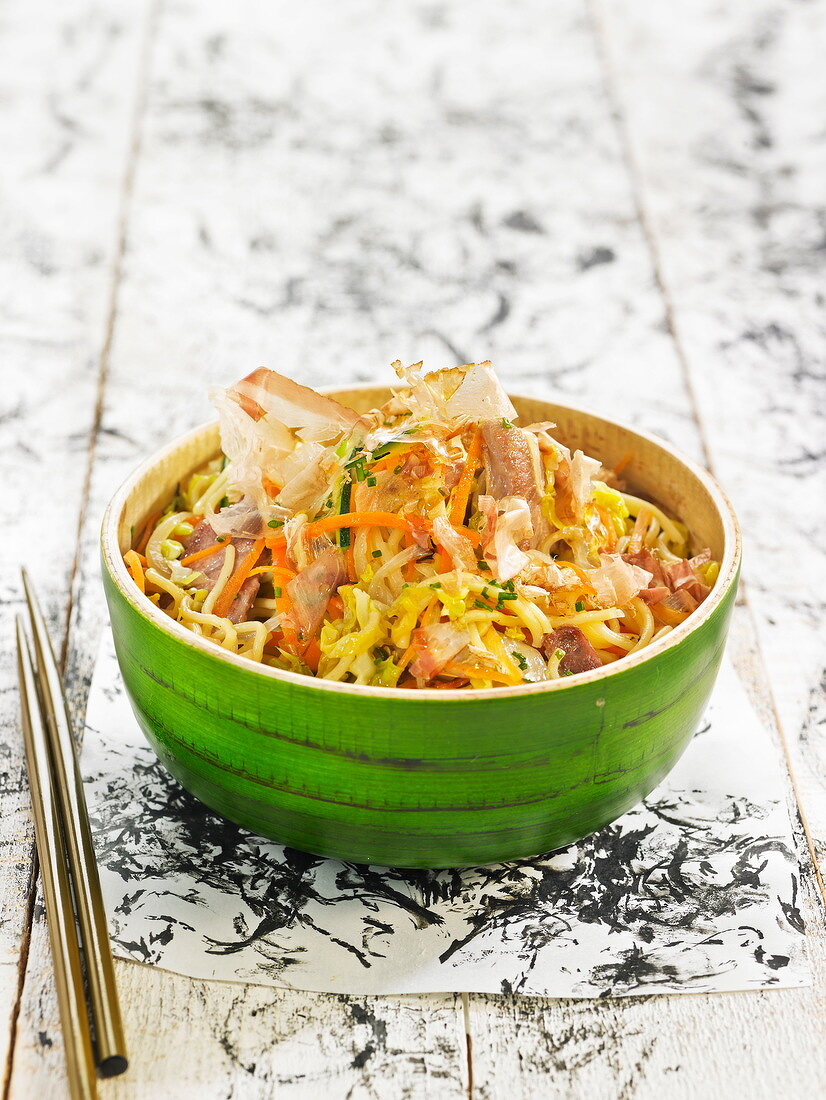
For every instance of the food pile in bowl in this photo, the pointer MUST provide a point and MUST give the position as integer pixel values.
(432, 542)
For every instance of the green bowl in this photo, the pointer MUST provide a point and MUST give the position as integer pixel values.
(430, 778)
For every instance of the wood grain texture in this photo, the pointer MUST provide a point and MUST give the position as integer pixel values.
(331, 188)
(66, 84)
(733, 200)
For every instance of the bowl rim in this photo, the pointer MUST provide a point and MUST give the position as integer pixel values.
(729, 568)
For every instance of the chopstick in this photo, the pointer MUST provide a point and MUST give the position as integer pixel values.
(57, 895)
(69, 806)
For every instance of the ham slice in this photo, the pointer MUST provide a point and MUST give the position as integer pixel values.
(511, 472)
(311, 590)
(435, 646)
(580, 655)
(210, 568)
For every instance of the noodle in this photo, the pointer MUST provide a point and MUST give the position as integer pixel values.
(540, 569)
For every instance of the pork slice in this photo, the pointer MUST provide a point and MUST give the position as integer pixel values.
(646, 560)
(240, 607)
(510, 472)
(210, 567)
(580, 655)
(311, 590)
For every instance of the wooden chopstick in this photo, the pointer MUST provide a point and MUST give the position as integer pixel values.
(57, 894)
(70, 805)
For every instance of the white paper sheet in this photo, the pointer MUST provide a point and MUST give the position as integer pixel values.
(694, 890)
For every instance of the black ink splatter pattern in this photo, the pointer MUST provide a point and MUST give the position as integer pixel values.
(689, 890)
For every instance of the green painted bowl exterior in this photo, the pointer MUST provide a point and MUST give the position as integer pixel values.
(416, 779)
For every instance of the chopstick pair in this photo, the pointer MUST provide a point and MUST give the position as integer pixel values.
(92, 1030)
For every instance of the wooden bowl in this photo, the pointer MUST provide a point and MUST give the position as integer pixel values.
(429, 778)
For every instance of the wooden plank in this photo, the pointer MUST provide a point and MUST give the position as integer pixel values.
(66, 93)
(218, 1039)
(691, 90)
(492, 215)
(733, 201)
(182, 323)
(765, 1045)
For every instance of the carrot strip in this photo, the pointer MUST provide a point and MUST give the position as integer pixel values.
(350, 564)
(233, 585)
(276, 570)
(406, 657)
(477, 672)
(610, 530)
(147, 531)
(461, 494)
(133, 564)
(312, 655)
(494, 642)
(335, 607)
(205, 553)
(580, 572)
(355, 519)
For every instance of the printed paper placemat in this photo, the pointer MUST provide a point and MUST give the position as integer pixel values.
(694, 890)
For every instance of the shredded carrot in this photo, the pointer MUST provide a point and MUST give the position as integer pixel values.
(494, 642)
(431, 612)
(335, 607)
(134, 563)
(279, 553)
(580, 572)
(461, 494)
(444, 562)
(610, 530)
(269, 487)
(205, 553)
(473, 537)
(140, 546)
(623, 462)
(406, 657)
(233, 585)
(276, 570)
(350, 564)
(392, 459)
(355, 519)
(312, 655)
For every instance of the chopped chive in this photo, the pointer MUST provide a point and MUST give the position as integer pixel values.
(580, 605)
(436, 584)
(377, 553)
(223, 503)
(371, 481)
(479, 603)
(483, 565)
(559, 654)
(221, 538)
(506, 423)
(275, 523)
(397, 470)
(276, 591)
(520, 660)
(508, 596)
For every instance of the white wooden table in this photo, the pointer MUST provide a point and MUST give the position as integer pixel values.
(621, 202)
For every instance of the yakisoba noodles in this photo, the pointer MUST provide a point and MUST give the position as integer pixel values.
(434, 542)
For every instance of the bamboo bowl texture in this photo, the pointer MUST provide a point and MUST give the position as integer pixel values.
(429, 778)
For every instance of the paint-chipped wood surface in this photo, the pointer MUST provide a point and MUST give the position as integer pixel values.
(620, 203)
